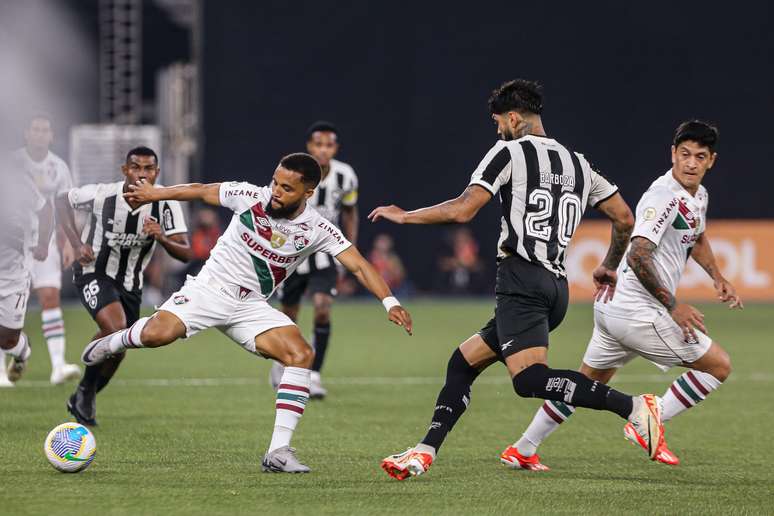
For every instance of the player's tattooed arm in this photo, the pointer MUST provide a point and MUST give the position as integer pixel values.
(619, 213)
(640, 260)
(144, 193)
(459, 210)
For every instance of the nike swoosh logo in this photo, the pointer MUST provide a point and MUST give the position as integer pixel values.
(69, 456)
(281, 461)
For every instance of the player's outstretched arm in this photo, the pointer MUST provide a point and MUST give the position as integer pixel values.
(640, 259)
(605, 276)
(143, 193)
(370, 279)
(703, 255)
(459, 210)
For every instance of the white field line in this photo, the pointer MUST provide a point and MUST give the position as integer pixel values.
(381, 380)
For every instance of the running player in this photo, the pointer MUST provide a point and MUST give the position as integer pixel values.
(113, 250)
(544, 189)
(25, 233)
(52, 177)
(272, 231)
(644, 317)
(335, 199)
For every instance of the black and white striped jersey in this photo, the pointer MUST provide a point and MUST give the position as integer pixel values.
(115, 233)
(544, 190)
(339, 188)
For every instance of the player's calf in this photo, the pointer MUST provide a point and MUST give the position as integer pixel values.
(693, 387)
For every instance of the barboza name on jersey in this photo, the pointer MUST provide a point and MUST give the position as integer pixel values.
(557, 179)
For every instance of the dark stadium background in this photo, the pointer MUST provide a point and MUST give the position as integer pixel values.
(407, 85)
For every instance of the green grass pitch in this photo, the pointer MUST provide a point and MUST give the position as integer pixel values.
(182, 429)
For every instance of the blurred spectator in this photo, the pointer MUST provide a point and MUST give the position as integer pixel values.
(386, 261)
(461, 268)
(205, 234)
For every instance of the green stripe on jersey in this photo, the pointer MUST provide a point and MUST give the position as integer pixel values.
(265, 279)
(246, 218)
(561, 407)
(299, 398)
(680, 223)
(687, 389)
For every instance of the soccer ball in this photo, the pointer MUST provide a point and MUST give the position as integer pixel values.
(70, 447)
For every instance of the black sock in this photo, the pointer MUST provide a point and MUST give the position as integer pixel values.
(88, 383)
(571, 387)
(452, 400)
(322, 333)
(107, 369)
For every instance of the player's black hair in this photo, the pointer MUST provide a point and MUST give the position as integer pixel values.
(321, 125)
(704, 134)
(305, 165)
(517, 95)
(142, 151)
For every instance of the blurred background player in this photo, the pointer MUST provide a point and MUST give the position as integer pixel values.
(25, 233)
(643, 316)
(335, 199)
(112, 252)
(51, 175)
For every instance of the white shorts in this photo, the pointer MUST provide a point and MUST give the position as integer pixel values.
(48, 273)
(13, 307)
(202, 304)
(617, 339)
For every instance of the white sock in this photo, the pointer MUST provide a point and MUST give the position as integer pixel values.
(547, 419)
(292, 395)
(21, 350)
(54, 333)
(425, 448)
(686, 392)
(129, 338)
(3, 371)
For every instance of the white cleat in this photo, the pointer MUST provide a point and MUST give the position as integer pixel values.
(283, 460)
(316, 390)
(5, 383)
(645, 419)
(64, 373)
(97, 351)
(275, 374)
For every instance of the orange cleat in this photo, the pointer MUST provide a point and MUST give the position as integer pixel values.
(410, 463)
(513, 459)
(663, 454)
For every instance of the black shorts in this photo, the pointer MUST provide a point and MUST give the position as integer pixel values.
(321, 281)
(96, 292)
(531, 302)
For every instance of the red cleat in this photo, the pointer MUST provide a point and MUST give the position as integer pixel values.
(410, 463)
(663, 454)
(513, 459)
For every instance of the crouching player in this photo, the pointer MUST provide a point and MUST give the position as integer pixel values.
(272, 231)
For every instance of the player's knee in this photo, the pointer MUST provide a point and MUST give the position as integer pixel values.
(723, 368)
(298, 355)
(322, 316)
(8, 341)
(530, 380)
(459, 369)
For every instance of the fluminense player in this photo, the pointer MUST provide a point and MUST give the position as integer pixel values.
(272, 231)
(544, 189)
(52, 177)
(644, 318)
(113, 250)
(335, 198)
(25, 233)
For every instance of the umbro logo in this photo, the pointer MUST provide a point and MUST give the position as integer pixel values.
(505, 346)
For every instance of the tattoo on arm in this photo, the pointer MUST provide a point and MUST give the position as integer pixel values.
(619, 239)
(640, 259)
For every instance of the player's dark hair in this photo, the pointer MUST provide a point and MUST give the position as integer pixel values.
(321, 126)
(517, 95)
(305, 165)
(142, 151)
(697, 131)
